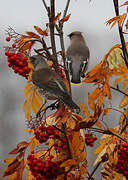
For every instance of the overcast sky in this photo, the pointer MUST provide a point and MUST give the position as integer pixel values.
(22, 15)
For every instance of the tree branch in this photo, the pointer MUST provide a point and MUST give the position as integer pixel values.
(117, 89)
(51, 15)
(125, 54)
(45, 5)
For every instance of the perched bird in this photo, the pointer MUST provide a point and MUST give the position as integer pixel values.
(77, 56)
(48, 83)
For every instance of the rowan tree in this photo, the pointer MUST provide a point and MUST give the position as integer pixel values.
(57, 147)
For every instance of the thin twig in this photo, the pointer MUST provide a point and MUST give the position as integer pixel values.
(125, 54)
(117, 89)
(45, 5)
(52, 36)
(66, 138)
(107, 132)
(66, 8)
(94, 170)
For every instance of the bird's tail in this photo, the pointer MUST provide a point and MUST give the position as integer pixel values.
(69, 102)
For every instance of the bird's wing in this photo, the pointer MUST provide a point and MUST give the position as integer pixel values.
(49, 80)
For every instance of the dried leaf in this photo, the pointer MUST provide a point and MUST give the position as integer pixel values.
(11, 168)
(84, 109)
(124, 101)
(56, 18)
(66, 18)
(20, 147)
(106, 111)
(69, 162)
(33, 35)
(9, 160)
(40, 31)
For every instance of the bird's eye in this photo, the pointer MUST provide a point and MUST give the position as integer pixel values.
(69, 62)
(84, 62)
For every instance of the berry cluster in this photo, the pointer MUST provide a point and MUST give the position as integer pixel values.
(122, 164)
(43, 133)
(61, 71)
(90, 139)
(16, 61)
(44, 169)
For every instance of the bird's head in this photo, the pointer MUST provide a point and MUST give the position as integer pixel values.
(38, 61)
(75, 34)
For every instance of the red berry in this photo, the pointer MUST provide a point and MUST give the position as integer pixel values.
(69, 174)
(24, 58)
(64, 146)
(13, 45)
(9, 65)
(20, 71)
(6, 53)
(20, 63)
(8, 38)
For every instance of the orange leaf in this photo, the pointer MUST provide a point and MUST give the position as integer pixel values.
(84, 109)
(40, 31)
(56, 17)
(106, 111)
(20, 147)
(9, 160)
(33, 35)
(69, 162)
(11, 168)
(66, 18)
(126, 25)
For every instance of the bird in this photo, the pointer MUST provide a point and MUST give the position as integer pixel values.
(77, 56)
(49, 84)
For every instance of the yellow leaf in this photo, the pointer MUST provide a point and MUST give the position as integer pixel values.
(61, 177)
(28, 88)
(100, 155)
(69, 162)
(124, 83)
(9, 160)
(118, 80)
(84, 109)
(82, 156)
(30, 176)
(83, 168)
(12, 177)
(106, 111)
(27, 113)
(124, 101)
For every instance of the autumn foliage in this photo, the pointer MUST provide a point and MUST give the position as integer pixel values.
(57, 147)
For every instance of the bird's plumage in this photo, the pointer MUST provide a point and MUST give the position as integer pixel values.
(49, 83)
(78, 56)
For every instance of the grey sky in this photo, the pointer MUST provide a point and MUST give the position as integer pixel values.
(22, 15)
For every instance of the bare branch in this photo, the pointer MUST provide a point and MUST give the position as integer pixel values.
(125, 54)
(45, 5)
(66, 8)
(52, 36)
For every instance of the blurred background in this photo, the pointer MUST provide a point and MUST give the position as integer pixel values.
(87, 17)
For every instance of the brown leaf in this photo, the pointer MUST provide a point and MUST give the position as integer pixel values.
(66, 18)
(40, 31)
(20, 170)
(85, 124)
(11, 168)
(33, 35)
(56, 18)
(69, 162)
(20, 147)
